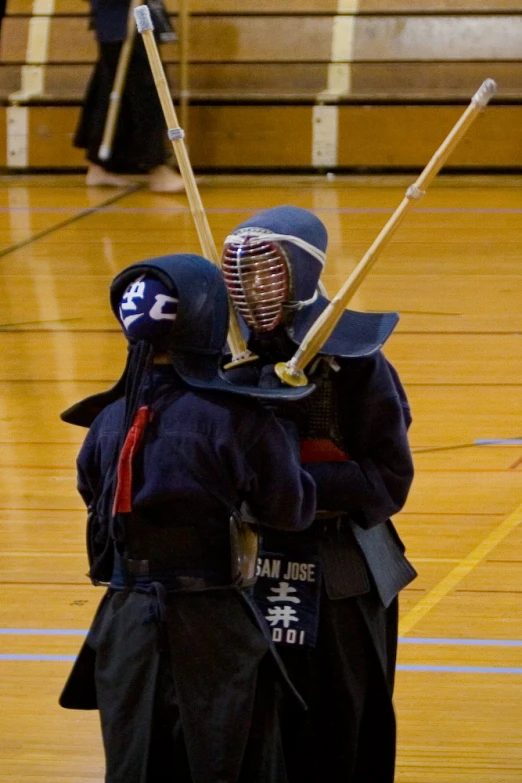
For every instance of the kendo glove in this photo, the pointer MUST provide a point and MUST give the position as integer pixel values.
(244, 375)
(285, 410)
(268, 378)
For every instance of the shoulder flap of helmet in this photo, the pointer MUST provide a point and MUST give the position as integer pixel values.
(355, 335)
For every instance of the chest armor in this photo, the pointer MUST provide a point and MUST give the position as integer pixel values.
(320, 411)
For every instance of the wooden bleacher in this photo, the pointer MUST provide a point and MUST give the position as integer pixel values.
(287, 84)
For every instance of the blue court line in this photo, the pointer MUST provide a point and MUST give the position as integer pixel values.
(498, 442)
(332, 210)
(38, 210)
(404, 667)
(402, 639)
(412, 667)
(36, 657)
(40, 632)
(253, 210)
(400, 667)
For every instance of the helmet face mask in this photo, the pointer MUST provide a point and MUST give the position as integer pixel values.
(258, 278)
(284, 238)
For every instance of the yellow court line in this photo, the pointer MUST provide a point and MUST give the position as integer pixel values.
(436, 560)
(460, 571)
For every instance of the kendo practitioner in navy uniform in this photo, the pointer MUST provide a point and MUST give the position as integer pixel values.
(338, 638)
(178, 660)
(139, 144)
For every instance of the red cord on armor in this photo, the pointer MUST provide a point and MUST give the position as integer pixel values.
(123, 496)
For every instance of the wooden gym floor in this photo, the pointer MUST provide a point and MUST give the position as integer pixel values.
(453, 271)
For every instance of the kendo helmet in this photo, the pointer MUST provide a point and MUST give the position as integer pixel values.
(177, 305)
(285, 249)
(272, 263)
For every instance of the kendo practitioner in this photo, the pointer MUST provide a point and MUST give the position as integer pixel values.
(178, 660)
(139, 144)
(338, 582)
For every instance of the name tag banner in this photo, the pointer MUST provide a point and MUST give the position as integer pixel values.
(288, 593)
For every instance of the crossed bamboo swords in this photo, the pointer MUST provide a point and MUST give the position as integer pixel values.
(292, 372)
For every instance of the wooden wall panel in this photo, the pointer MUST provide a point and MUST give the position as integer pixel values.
(71, 41)
(407, 136)
(297, 82)
(236, 136)
(66, 83)
(13, 41)
(257, 70)
(433, 81)
(248, 80)
(10, 76)
(308, 39)
(3, 139)
(436, 82)
(51, 132)
(378, 39)
(438, 38)
(369, 136)
(388, 137)
(360, 6)
(301, 6)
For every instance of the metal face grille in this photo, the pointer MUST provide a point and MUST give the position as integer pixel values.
(256, 274)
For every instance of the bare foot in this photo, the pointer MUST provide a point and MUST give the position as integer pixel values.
(164, 180)
(97, 176)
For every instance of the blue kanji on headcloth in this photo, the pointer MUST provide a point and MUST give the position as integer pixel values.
(201, 320)
(146, 311)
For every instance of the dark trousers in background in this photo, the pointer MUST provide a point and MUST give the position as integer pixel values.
(140, 140)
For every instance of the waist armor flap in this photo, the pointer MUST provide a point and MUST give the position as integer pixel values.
(344, 570)
(388, 565)
(244, 550)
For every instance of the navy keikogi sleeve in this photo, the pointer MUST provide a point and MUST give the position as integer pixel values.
(283, 495)
(375, 416)
(96, 463)
(88, 474)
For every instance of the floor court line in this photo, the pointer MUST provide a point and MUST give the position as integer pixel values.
(457, 574)
(67, 222)
(448, 669)
(240, 210)
(402, 639)
(407, 667)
